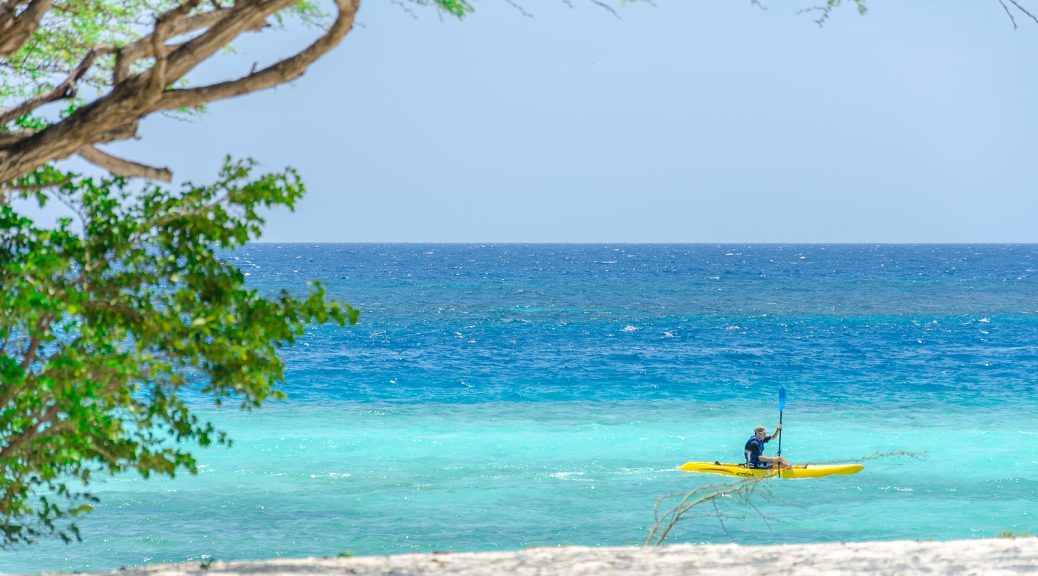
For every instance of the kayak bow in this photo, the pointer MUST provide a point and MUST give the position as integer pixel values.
(802, 471)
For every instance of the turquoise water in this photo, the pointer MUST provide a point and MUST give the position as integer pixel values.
(508, 396)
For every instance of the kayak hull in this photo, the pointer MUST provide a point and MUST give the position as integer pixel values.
(802, 471)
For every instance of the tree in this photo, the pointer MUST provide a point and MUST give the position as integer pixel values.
(114, 63)
(56, 50)
(102, 331)
(104, 327)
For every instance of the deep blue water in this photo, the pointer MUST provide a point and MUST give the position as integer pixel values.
(847, 324)
(502, 396)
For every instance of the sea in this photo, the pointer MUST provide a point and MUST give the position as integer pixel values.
(497, 397)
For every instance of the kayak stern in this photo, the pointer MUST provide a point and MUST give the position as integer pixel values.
(800, 471)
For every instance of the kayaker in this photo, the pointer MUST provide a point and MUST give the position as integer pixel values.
(754, 449)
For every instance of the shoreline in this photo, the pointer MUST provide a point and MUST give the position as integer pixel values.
(1017, 555)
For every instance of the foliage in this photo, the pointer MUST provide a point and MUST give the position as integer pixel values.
(78, 73)
(103, 331)
(859, 3)
(71, 28)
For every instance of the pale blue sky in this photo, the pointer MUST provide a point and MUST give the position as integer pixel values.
(680, 122)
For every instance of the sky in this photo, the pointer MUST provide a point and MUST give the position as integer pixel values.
(679, 121)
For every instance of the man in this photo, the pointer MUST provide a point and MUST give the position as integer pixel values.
(754, 450)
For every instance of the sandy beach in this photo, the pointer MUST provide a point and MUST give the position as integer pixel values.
(990, 556)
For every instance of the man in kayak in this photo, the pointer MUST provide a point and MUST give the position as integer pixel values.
(754, 449)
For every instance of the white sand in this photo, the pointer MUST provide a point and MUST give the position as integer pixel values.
(994, 556)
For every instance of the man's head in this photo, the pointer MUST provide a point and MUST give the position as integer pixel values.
(760, 432)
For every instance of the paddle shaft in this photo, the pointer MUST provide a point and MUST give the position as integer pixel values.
(782, 407)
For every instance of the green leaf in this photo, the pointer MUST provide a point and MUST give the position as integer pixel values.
(108, 324)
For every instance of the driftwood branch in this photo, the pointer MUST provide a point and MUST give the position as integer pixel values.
(124, 168)
(710, 494)
(743, 490)
(874, 456)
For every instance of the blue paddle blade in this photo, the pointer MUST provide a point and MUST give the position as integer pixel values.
(782, 398)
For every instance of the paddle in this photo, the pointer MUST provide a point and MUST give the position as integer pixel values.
(782, 406)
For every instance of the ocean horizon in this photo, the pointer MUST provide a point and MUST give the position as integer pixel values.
(497, 396)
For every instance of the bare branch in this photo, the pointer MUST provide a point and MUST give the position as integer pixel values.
(607, 7)
(709, 494)
(407, 10)
(16, 29)
(248, 15)
(875, 456)
(826, 11)
(519, 8)
(164, 27)
(134, 96)
(142, 48)
(1024, 10)
(66, 89)
(284, 71)
(1008, 13)
(124, 168)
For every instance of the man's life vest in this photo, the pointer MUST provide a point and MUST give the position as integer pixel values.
(753, 458)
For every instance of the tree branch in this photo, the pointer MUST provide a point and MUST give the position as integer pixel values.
(1008, 13)
(124, 168)
(30, 355)
(66, 89)
(248, 15)
(136, 96)
(9, 138)
(142, 48)
(284, 71)
(7, 187)
(34, 344)
(28, 435)
(16, 29)
(1022, 9)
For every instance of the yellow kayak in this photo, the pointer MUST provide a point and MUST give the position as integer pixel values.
(802, 471)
